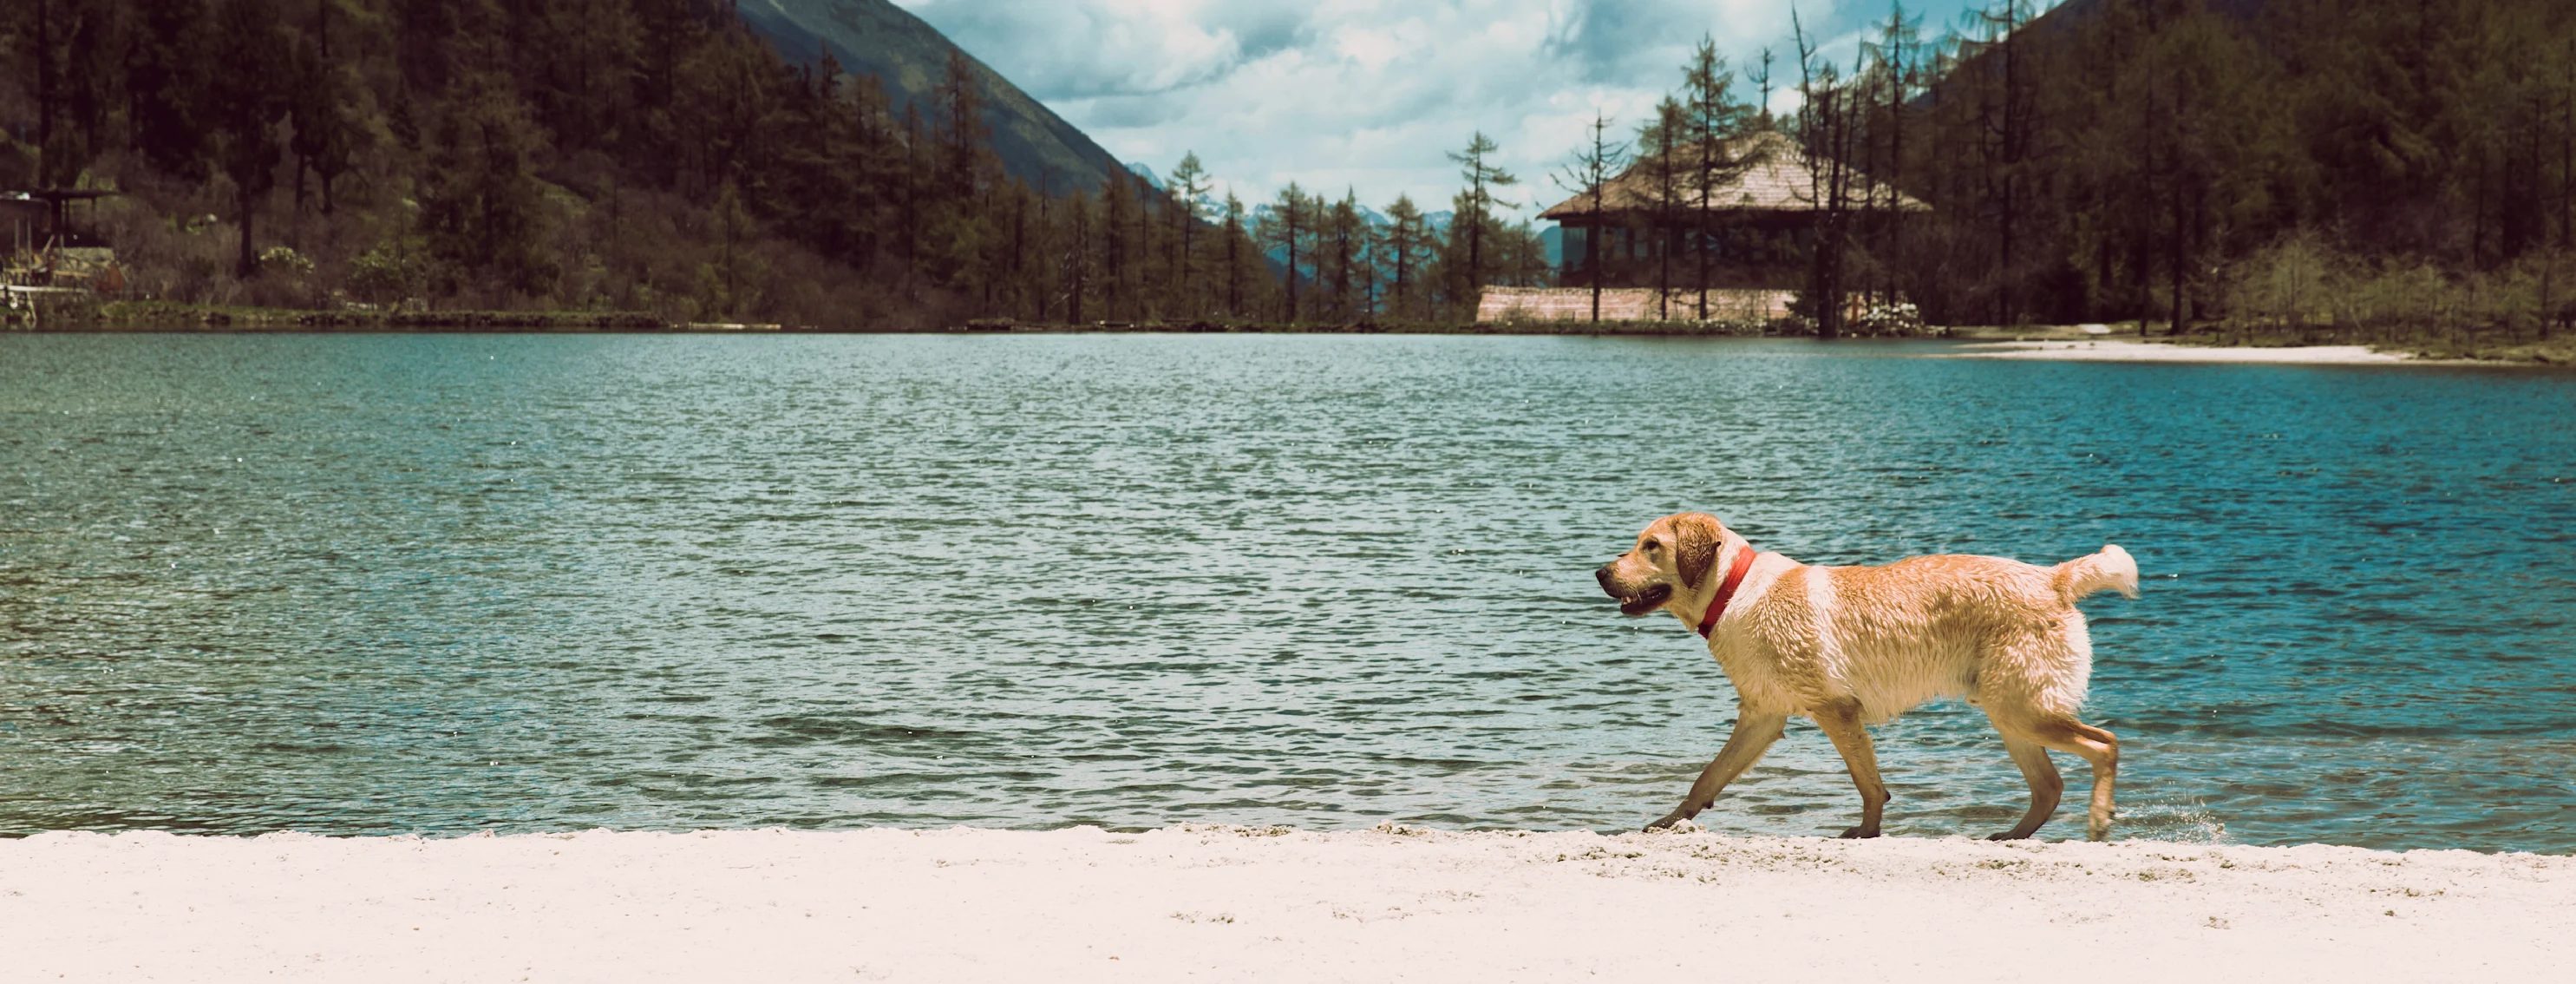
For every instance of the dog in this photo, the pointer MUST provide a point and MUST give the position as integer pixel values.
(1852, 646)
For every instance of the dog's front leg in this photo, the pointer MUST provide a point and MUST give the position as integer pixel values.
(1841, 721)
(1754, 733)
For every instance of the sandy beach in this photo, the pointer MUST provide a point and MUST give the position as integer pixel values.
(1229, 903)
(2084, 350)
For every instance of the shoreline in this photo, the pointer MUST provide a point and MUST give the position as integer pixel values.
(2112, 350)
(1215, 902)
(2045, 344)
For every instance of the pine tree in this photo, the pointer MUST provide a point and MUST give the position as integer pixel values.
(1589, 176)
(324, 139)
(1343, 242)
(165, 64)
(1477, 205)
(1405, 238)
(1236, 256)
(245, 102)
(1665, 146)
(1717, 123)
(1289, 228)
(962, 129)
(480, 208)
(729, 282)
(1825, 126)
(1117, 199)
(1081, 242)
(1189, 190)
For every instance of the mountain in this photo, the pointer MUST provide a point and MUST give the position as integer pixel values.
(2074, 12)
(2062, 22)
(1436, 223)
(908, 56)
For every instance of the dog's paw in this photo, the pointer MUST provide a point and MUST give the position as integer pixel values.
(1674, 822)
(1860, 833)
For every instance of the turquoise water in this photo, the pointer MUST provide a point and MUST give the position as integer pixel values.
(370, 584)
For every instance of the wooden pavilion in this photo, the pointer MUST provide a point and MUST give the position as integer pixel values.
(41, 218)
(46, 248)
(1757, 222)
(49, 251)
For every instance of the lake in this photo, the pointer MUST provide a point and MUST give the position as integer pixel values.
(444, 583)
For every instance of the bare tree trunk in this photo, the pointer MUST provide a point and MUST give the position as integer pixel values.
(1592, 258)
(45, 162)
(249, 265)
(1292, 262)
(2175, 257)
(1664, 250)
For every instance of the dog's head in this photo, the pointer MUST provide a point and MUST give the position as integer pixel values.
(1673, 555)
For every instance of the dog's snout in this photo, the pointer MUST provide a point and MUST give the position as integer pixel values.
(1602, 574)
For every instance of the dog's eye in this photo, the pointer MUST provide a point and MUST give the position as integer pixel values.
(1652, 546)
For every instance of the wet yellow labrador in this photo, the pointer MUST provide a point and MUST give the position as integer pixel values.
(1852, 646)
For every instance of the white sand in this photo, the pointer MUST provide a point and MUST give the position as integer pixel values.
(1233, 904)
(2111, 351)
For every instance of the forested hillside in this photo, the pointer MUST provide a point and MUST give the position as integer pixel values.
(909, 57)
(648, 155)
(2364, 169)
(2391, 166)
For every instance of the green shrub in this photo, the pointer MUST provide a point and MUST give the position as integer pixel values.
(395, 269)
(284, 261)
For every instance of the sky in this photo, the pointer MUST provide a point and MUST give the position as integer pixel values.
(1368, 95)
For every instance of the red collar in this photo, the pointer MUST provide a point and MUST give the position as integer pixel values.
(1734, 576)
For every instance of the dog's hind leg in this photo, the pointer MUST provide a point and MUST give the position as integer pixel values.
(2045, 786)
(1841, 721)
(2064, 733)
(1754, 733)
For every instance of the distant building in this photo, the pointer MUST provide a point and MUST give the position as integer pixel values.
(1756, 224)
(46, 249)
(41, 218)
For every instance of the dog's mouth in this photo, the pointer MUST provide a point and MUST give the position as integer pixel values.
(1646, 601)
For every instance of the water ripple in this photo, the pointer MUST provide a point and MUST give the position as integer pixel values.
(440, 583)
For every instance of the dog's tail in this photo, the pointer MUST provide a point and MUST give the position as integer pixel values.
(2111, 569)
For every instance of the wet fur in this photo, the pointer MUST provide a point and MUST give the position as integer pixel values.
(1852, 646)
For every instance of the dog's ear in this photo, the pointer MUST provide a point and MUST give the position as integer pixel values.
(1697, 536)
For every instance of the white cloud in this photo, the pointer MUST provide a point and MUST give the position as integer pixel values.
(1365, 94)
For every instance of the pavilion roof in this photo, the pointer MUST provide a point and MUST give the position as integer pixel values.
(1777, 177)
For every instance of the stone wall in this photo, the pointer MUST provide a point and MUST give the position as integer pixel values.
(1629, 304)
